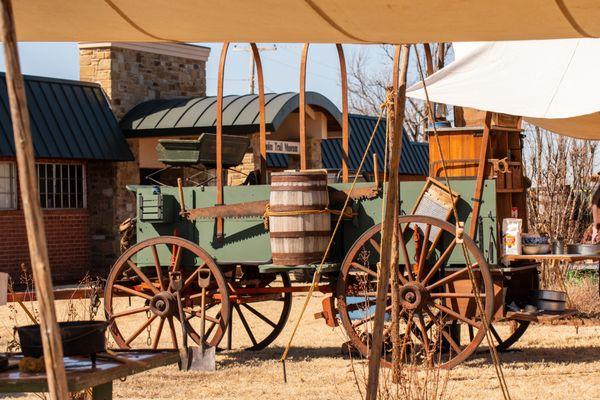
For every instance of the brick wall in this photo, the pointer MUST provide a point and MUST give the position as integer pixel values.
(68, 240)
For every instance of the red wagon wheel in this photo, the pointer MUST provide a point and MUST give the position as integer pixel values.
(434, 299)
(141, 307)
(257, 319)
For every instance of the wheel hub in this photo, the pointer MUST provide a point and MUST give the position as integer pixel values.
(163, 304)
(413, 295)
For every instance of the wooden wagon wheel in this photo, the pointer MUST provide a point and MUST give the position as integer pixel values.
(140, 305)
(505, 334)
(256, 319)
(433, 300)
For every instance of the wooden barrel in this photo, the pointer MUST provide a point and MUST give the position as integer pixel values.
(299, 239)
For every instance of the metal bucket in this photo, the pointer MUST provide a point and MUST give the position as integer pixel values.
(78, 338)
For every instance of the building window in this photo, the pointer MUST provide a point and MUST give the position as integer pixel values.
(8, 186)
(61, 185)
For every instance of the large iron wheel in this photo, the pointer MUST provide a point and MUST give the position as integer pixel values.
(140, 304)
(505, 334)
(257, 319)
(434, 300)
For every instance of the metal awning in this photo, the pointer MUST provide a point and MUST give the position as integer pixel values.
(69, 120)
(415, 155)
(195, 115)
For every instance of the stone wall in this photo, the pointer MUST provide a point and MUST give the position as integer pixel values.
(131, 73)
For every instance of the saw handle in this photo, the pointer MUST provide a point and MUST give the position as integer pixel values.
(182, 210)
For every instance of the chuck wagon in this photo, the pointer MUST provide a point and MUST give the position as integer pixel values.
(235, 247)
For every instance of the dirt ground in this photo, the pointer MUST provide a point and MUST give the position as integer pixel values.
(549, 362)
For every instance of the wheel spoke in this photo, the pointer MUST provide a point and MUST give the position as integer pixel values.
(439, 262)
(259, 315)
(495, 334)
(140, 329)
(245, 323)
(173, 333)
(209, 331)
(132, 292)
(452, 342)
(161, 323)
(176, 257)
(456, 315)
(448, 278)
(375, 245)
(423, 329)
(143, 276)
(190, 278)
(369, 318)
(407, 262)
(158, 268)
(364, 269)
(456, 295)
(424, 252)
(129, 312)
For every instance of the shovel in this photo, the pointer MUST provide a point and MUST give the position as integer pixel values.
(206, 360)
(191, 357)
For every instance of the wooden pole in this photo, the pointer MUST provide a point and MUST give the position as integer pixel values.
(389, 219)
(481, 167)
(345, 133)
(34, 220)
(302, 107)
(219, 137)
(261, 109)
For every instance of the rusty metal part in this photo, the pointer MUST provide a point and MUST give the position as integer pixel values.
(148, 285)
(261, 111)
(361, 193)
(420, 297)
(258, 208)
(240, 210)
(500, 165)
(329, 312)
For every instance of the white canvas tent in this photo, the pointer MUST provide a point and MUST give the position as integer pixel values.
(552, 84)
(324, 21)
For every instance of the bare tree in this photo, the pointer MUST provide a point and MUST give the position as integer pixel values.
(367, 85)
(560, 169)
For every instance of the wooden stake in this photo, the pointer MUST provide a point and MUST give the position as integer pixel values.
(389, 218)
(34, 220)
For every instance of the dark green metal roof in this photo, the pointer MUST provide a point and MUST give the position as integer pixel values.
(69, 119)
(187, 116)
(414, 160)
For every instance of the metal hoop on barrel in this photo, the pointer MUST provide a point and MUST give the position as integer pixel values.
(302, 109)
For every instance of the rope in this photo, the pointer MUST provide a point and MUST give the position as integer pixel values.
(344, 213)
(488, 334)
(317, 275)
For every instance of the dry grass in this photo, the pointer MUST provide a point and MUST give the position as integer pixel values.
(551, 362)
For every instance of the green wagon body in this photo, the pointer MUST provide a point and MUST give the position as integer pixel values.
(246, 241)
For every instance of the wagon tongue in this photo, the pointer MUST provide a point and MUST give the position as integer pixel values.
(194, 358)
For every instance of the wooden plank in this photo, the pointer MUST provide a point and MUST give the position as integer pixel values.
(545, 316)
(32, 210)
(82, 375)
(507, 259)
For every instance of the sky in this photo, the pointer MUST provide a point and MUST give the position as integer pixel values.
(281, 66)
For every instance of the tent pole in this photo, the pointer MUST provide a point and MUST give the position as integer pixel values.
(34, 220)
(219, 138)
(389, 217)
(302, 107)
(345, 140)
(261, 110)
